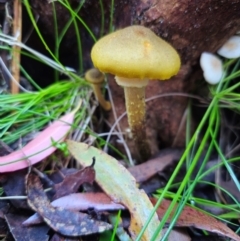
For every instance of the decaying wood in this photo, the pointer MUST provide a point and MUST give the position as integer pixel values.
(191, 26)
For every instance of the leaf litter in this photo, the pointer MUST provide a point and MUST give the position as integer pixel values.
(148, 169)
(191, 217)
(63, 221)
(107, 168)
(80, 201)
(71, 183)
(66, 189)
(120, 185)
(21, 233)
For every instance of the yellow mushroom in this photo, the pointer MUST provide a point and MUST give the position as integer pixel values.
(134, 55)
(96, 78)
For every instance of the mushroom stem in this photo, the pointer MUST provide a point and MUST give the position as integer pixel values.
(135, 105)
(135, 54)
(96, 79)
(99, 96)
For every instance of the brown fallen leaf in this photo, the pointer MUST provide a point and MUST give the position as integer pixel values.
(146, 170)
(79, 201)
(191, 217)
(21, 233)
(83, 201)
(63, 221)
(72, 182)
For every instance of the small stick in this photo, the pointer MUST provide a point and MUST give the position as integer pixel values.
(17, 32)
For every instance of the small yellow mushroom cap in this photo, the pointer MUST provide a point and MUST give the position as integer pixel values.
(135, 52)
(94, 76)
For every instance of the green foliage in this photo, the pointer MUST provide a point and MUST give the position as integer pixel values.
(28, 112)
(203, 143)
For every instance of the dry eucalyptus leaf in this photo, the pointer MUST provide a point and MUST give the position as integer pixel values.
(63, 221)
(120, 185)
(191, 217)
(148, 169)
(83, 201)
(72, 182)
(21, 233)
(40, 147)
(79, 201)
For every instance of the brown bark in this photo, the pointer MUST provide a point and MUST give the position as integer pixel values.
(191, 26)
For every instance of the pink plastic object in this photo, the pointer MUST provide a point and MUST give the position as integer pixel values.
(40, 147)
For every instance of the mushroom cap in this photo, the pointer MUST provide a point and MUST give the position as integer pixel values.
(212, 68)
(135, 52)
(94, 76)
(231, 49)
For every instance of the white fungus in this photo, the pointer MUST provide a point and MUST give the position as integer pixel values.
(212, 68)
(231, 49)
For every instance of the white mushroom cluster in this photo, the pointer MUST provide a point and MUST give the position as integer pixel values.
(212, 65)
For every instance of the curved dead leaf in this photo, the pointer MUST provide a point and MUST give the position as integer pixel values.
(79, 201)
(120, 185)
(66, 222)
(40, 147)
(191, 217)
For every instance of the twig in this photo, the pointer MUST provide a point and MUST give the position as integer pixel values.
(17, 32)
